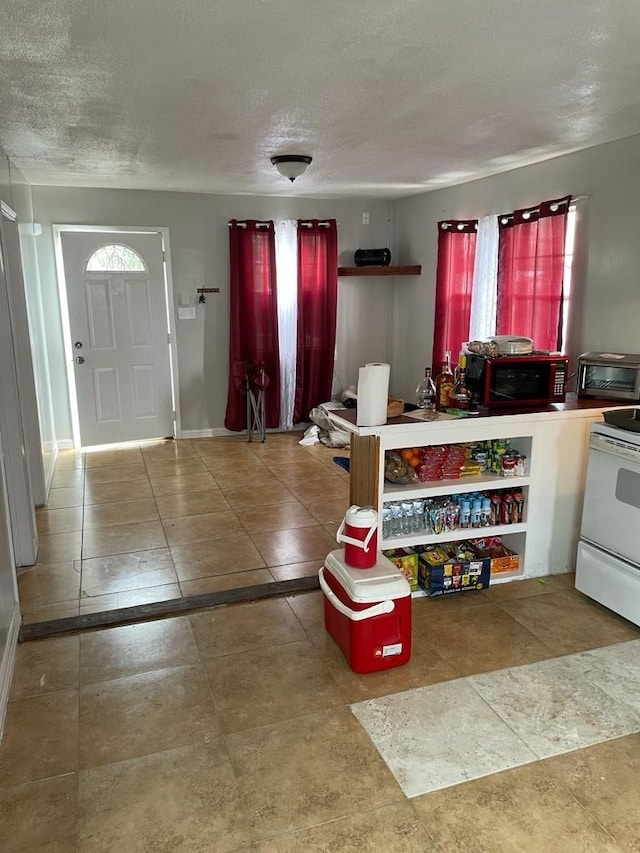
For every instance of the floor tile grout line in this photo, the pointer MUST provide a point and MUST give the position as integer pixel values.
(84, 495)
(600, 687)
(469, 678)
(314, 523)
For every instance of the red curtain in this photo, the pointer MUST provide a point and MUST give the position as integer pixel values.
(454, 281)
(317, 305)
(530, 273)
(254, 318)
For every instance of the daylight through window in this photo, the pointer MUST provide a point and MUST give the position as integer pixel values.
(115, 258)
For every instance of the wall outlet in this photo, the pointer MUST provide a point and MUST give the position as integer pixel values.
(365, 217)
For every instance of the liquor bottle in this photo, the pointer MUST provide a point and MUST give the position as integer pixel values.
(461, 397)
(462, 364)
(444, 384)
(426, 392)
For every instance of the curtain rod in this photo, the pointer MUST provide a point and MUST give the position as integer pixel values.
(267, 224)
(244, 224)
(574, 199)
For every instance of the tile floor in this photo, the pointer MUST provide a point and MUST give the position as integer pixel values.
(232, 729)
(166, 519)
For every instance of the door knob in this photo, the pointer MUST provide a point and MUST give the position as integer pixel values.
(78, 345)
(79, 359)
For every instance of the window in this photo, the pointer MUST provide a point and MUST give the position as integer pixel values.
(521, 277)
(283, 283)
(115, 258)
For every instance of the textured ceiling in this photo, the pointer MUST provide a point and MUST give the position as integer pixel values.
(390, 98)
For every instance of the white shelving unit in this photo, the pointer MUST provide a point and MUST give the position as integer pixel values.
(438, 488)
(486, 482)
(555, 442)
(451, 536)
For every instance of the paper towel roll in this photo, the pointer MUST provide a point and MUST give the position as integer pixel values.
(373, 393)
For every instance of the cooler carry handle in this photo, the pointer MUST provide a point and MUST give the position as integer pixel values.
(359, 543)
(355, 615)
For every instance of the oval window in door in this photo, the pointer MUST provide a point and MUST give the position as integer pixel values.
(115, 257)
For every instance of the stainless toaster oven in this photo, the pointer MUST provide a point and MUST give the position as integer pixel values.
(609, 376)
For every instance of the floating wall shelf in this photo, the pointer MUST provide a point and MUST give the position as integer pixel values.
(397, 270)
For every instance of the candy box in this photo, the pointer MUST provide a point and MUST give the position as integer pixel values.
(461, 571)
(503, 559)
(407, 561)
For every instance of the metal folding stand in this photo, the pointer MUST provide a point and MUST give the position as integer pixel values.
(255, 379)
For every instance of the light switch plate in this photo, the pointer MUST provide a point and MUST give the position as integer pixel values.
(188, 313)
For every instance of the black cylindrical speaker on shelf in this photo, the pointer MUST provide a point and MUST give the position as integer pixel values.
(372, 257)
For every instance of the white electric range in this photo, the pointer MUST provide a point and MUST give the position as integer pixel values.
(608, 562)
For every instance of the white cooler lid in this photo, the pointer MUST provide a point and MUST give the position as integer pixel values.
(380, 582)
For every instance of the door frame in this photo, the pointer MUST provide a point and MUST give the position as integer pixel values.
(57, 231)
(22, 336)
(16, 452)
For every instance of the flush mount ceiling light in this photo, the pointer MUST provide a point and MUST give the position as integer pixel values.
(291, 165)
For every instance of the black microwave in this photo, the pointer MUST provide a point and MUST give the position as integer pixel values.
(509, 381)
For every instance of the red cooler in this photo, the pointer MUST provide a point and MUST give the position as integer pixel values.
(368, 613)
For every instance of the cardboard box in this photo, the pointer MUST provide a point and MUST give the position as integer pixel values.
(454, 576)
(503, 559)
(407, 561)
(510, 563)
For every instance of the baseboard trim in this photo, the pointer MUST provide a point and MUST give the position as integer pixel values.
(164, 609)
(65, 444)
(206, 433)
(217, 432)
(51, 470)
(8, 663)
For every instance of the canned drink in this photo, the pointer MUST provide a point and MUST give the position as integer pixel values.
(508, 466)
(480, 456)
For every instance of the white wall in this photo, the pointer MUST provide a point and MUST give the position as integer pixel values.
(198, 235)
(607, 267)
(379, 319)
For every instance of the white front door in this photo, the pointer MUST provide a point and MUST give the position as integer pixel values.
(119, 333)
